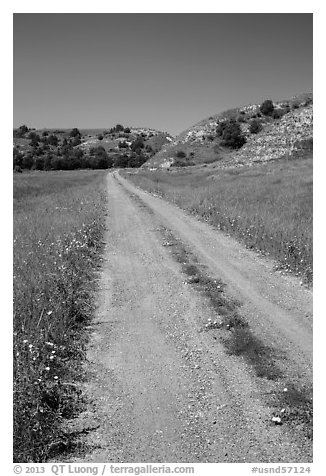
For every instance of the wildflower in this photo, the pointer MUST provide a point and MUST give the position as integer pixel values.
(55, 377)
(47, 368)
(49, 343)
(49, 313)
(25, 341)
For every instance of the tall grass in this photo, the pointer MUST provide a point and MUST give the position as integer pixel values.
(268, 206)
(58, 229)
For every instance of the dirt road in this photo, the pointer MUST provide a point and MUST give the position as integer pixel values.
(163, 386)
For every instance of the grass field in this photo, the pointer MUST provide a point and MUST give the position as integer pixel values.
(58, 229)
(268, 206)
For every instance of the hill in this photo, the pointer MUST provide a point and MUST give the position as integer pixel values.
(284, 130)
(55, 149)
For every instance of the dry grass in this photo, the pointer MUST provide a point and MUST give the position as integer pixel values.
(58, 227)
(267, 206)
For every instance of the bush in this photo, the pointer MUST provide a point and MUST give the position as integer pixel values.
(255, 126)
(28, 161)
(220, 128)
(138, 143)
(180, 154)
(127, 130)
(182, 163)
(278, 113)
(39, 163)
(17, 158)
(21, 131)
(123, 145)
(35, 139)
(117, 128)
(75, 132)
(121, 161)
(48, 162)
(231, 134)
(267, 107)
(99, 158)
(56, 163)
(100, 137)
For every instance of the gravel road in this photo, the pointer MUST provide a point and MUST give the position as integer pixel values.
(163, 389)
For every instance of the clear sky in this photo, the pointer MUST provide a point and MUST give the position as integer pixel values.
(166, 71)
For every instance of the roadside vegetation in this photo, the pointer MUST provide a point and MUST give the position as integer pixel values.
(267, 206)
(58, 230)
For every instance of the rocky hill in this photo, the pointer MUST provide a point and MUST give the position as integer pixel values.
(286, 131)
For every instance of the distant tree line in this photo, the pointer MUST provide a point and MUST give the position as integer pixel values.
(49, 152)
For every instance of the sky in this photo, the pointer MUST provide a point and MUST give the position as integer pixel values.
(165, 71)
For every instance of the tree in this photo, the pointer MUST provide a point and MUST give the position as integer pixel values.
(28, 161)
(21, 131)
(48, 162)
(53, 140)
(17, 158)
(255, 126)
(267, 107)
(138, 143)
(56, 163)
(121, 161)
(99, 158)
(34, 142)
(75, 132)
(33, 135)
(39, 163)
(231, 134)
(35, 139)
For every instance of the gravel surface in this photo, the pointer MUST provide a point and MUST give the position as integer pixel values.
(161, 389)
